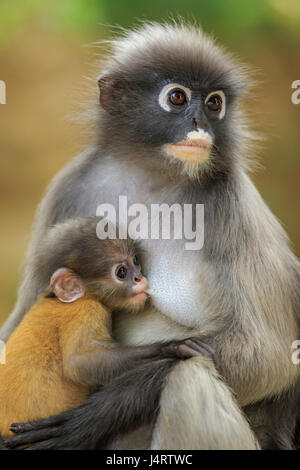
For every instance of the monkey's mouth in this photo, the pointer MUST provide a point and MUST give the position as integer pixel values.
(195, 149)
(140, 297)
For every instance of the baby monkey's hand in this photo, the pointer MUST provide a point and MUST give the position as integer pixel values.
(186, 349)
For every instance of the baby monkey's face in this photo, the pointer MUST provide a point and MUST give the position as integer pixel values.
(112, 276)
(128, 283)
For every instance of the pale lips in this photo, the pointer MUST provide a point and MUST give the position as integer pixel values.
(141, 291)
(140, 297)
(195, 149)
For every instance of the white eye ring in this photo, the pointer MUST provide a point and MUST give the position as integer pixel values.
(163, 98)
(221, 114)
(114, 274)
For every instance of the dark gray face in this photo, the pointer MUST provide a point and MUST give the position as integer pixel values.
(163, 111)
(167, 86)
(162, 107)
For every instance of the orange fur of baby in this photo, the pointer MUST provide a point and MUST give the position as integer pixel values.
(38, 379)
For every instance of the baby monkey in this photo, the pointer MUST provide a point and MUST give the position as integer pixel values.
(63, 349)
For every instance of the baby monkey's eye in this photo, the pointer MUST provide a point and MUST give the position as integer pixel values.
(121, 272)
(136, 260)
(177, 97)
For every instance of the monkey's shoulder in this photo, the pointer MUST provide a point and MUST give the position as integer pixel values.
(55, 311)
(49, 320)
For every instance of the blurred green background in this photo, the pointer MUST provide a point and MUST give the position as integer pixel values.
(44, 65)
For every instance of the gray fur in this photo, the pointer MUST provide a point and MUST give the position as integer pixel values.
(242, 290)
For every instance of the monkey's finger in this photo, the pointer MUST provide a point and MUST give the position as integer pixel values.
(188, 351)
(31, 437)
(198, 348)
(210, 350)
(18, 428)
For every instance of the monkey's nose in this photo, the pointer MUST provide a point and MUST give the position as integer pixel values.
(200, 123)
(195, 122)
(140, 285)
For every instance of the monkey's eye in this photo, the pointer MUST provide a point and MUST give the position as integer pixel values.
(177, 97)
(174, 96)
(136, 261)
(215, 102)
(121, 272)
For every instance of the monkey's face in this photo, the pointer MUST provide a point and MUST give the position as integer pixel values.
(173, 91)
(198, 115)
(180, 118)
(125, 287)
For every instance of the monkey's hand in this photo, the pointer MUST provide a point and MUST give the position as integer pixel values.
(187, 348)
(126, 403)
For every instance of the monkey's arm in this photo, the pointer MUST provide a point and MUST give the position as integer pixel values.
(91, 356)
(100, 366)
(126, 403)
(2, 445)
(209, 417)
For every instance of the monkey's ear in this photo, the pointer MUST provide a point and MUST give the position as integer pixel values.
(66, 285)
(112, 91)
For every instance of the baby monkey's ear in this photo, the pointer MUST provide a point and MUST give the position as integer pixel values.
(66, 285)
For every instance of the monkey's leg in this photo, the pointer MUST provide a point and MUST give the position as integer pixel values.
(198, 411)
(125, 404)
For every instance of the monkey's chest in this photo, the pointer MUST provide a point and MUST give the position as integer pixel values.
(179, 283)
